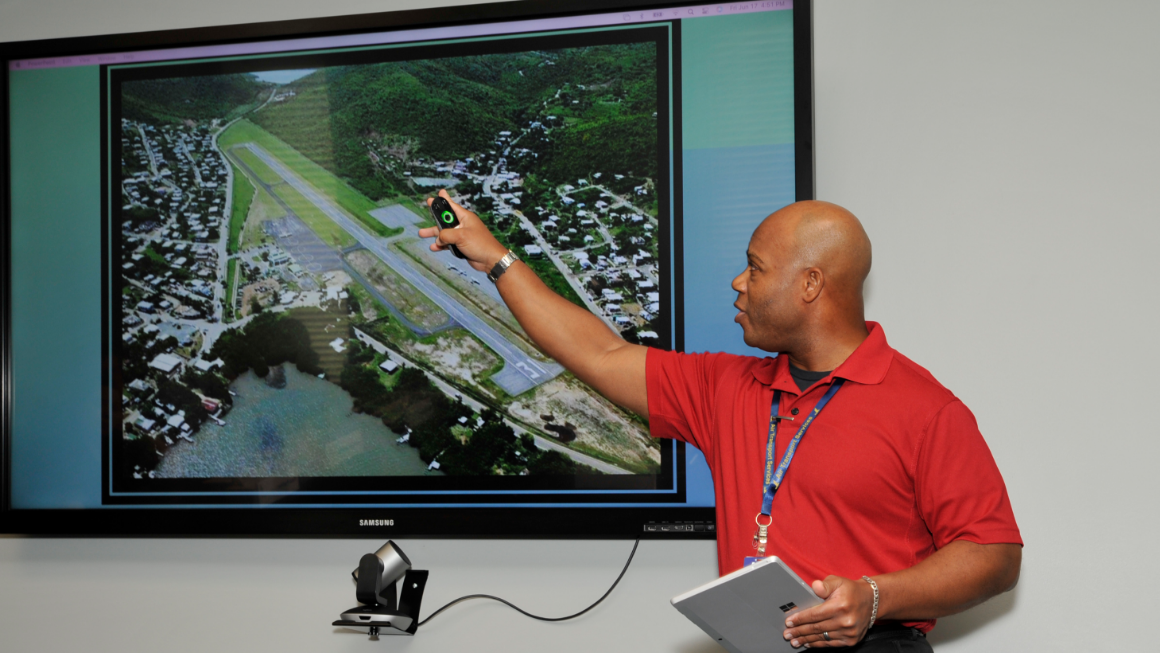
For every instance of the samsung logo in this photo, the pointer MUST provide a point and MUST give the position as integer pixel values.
(376, 522)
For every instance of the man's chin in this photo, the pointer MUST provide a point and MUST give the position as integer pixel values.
(745, 335)
(751, 340)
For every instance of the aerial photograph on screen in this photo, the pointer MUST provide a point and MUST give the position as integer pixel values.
(279, 315)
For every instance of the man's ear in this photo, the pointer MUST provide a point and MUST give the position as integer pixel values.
(813, 283)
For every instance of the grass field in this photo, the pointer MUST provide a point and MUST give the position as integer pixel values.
(415, 305)
(370, 308)
(327, 229)
(243, 195)
(231, 279)
(324, 327)
(389, 381)
(634, 466)
(256, 165)
(264, 208)
(352, 201)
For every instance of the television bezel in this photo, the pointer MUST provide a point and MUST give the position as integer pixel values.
(595, 522)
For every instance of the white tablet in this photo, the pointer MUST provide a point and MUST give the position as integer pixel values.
(745, 611)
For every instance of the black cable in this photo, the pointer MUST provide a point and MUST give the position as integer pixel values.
(528, 614)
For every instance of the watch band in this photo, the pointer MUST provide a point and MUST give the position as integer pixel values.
(502, 266)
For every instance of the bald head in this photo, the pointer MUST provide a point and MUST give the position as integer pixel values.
(803, 286)
(816, 234)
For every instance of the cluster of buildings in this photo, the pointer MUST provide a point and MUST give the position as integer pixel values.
(174, 216)
(175, 212)
(147, 414)
(604, 244)
(174, 170)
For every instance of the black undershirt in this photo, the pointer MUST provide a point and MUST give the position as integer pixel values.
(805, 378)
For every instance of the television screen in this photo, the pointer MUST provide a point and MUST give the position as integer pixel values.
(221, 318)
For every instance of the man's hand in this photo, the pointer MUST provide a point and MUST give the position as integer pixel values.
(959, 575)
(844, 616)
(472, 237)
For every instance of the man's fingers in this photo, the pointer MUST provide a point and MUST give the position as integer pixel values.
(827, 610)
(432, 232)
(463, 214)
(449, 237)
(824, 588)
(814, 635)
(812, 615)
(443, 237)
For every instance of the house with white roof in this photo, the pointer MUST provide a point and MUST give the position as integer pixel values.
(167, 363)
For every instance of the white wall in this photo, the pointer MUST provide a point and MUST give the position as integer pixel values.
(1003, 156)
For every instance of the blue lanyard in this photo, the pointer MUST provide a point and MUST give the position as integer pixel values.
(773, 477)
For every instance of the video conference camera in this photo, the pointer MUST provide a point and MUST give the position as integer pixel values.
(382, 608)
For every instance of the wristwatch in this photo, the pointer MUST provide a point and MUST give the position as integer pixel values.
(502, 266)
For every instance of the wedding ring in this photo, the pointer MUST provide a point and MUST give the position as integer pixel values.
(826, 635)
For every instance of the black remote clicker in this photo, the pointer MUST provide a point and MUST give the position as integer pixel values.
(445, 218)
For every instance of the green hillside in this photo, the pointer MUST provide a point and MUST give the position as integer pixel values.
(337, 111)
(191, 98)
(365, 123)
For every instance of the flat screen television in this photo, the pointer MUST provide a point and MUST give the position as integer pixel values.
(219, 319)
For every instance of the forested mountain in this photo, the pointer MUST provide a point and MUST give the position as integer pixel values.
(337, 111)
(367, 123)
(191, 98)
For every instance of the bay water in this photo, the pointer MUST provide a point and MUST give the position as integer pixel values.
(306, 428)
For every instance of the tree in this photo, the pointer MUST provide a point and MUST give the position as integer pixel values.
(138, 452)
(270, 339)
(488, 447)
(210, 384)
(182, 398)
(552, 463)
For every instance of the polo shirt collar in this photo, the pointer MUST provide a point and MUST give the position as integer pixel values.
(867, 365)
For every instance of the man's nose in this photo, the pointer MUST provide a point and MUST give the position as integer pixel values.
(739, 282)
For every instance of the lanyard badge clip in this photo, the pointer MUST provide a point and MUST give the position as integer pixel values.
(761, 537)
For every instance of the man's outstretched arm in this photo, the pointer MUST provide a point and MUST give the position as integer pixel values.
(576, 338)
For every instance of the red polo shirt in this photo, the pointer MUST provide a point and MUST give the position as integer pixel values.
(893, 468)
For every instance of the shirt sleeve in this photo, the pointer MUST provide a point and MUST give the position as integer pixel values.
(680, 389)
(961, 494)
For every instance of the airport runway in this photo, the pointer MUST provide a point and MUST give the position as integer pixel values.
(520, 373)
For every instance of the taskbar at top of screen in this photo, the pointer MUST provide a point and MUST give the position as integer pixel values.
(627, 17)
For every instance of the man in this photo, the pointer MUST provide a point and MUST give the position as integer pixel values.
(893, 498)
